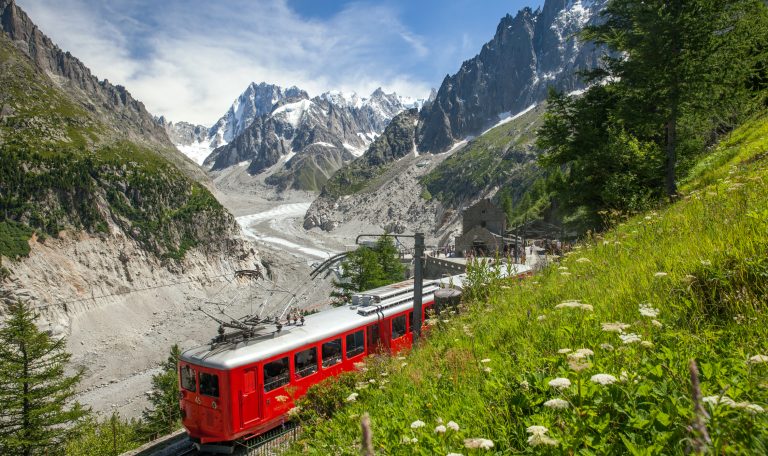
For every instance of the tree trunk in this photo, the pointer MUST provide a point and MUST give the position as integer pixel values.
(25, 402)
(671, 183)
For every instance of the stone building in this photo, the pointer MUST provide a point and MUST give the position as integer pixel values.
(483, 227)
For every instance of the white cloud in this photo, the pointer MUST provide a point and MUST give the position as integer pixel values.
(190, 61)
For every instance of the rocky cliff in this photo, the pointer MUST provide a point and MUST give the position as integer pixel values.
(529, 53)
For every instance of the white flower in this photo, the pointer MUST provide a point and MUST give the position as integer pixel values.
(574, 305)
(454, 454)
(563, 351)
(583, 260)
(440, 429)
(660, 274)
(656, 323)
(417, 424)
(556, 404)
(560, 383)
(585, 352)
(294, 411)
(624, 377)
(403, 364)
(617, 327)
(751, 408)
(630, 338)
(562, 268)
(352, 397)
(541, 317)
(647, 311)
(603, 379)
(541, 439)
(706, 263)
(487, 370)
(408, 440)
(452, 426)
(536, 430)
(485, 360)
(716, 400)
(757, 359)
(607, 347)
(565, 273)
(646, 343)
(524, 385)
(478, 443)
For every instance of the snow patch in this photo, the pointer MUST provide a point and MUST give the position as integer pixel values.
(509, 118)
(293, 112)
(321, 143)
(197, 151)
(356, 151)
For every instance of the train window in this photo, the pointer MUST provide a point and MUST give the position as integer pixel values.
(209, 384)
(355, 344)
(276, 374)
(188, 378)
(305, 362)
(331, 352)
(398, 326)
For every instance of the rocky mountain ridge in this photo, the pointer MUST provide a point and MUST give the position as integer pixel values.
(308, 138)
(529, 53)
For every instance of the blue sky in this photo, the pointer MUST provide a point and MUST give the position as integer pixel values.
(189, 59)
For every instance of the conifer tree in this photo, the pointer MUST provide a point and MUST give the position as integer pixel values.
(37, 412)
(164, 416)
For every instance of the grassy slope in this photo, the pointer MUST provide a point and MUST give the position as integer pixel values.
(62, 168)
(713, 248)
(503, 156)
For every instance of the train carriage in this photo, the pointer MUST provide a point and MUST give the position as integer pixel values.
(237, 390)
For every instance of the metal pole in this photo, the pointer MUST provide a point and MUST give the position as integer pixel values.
(418, 277)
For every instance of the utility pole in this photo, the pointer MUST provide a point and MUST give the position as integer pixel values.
(418, 279)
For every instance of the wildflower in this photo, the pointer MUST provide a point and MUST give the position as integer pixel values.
(607, 347)
(646, 343)
(408, 440)
(417, 424)
(585, 352)
(454, 454)
(562, 268)
(294, 411)
(757, 359)
(660, 274)
(578, 364)
(452, 426)
(583, 260)
(403, 364)
(542, 439)
(485, 360)
(384, 374)
(751, 408)
(563, 351)
(560, 383)
(359, 365)
(706, 263)
(556, 404)
(352, 397)
(487, 370)
(647, 311)
(574, 305)
(524, 385)
(541, 317)
(616, 327)
(373, 380)
(624, 377)
(630, 338)
(439, 420)
(361, 386)
(478, 443)
(603, 379)
(657, 323)
(401, 358)
(565, 273)
(536, 430)
(717, 400)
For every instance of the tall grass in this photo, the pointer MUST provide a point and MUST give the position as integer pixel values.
(698, 268)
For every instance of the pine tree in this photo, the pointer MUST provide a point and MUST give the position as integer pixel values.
(164, 416)
(37, 414)
(367, 268)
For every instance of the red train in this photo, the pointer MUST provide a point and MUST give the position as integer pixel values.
(239, 389)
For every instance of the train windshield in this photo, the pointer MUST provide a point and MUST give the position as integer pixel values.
(209, 384)
(187, 376)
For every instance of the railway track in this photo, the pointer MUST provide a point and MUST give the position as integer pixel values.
(271, 443)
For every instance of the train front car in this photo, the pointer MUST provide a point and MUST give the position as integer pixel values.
(206, 410)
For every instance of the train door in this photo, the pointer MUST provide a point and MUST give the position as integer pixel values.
(373, 336)
(250, 403)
